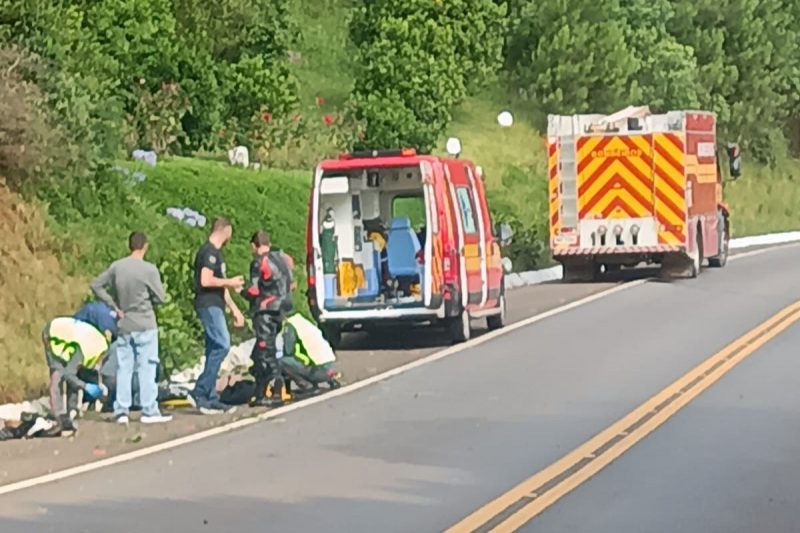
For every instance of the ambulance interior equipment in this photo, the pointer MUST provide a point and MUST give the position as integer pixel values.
(373, 225)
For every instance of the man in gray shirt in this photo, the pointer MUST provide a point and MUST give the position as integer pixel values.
(137, 288)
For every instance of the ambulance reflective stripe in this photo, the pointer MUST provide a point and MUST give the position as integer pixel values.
(670, 188)
(316, 348)
(615, 176)
(460, 233)
(478, 214)
(434, 274)
(67, 335)
(554, 183)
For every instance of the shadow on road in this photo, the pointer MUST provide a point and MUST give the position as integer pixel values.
(400, 337)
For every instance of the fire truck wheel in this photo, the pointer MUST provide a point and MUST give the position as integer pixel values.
(459, 327)
(721, 260)
(697, 256)
(499, 320)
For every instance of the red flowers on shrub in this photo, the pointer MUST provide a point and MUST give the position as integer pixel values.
(266, 116)
(328, 119)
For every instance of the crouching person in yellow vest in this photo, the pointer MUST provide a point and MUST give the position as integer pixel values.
(307, 358)
(69, 346)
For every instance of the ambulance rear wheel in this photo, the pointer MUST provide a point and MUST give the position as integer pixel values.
(333, 334)
(459, 327)
(499, 320)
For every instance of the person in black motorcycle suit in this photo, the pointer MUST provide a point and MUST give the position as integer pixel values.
(270, 295)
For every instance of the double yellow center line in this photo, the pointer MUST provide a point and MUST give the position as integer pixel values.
(524, 502)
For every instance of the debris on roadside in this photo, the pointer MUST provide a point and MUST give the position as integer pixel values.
(30, 425)
(135, 439)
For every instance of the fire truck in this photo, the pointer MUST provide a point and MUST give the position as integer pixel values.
(635, 187)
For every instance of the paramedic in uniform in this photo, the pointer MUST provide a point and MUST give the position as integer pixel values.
(211, 298)
(270, 295)
(69, 346)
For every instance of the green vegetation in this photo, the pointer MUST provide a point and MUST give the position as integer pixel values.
(83, 82)
(417, 61)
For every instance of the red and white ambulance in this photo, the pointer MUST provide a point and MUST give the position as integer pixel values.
(394, 236)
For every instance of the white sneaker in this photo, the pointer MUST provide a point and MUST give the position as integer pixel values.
(123, 420)
(211, 411)
(156, 419)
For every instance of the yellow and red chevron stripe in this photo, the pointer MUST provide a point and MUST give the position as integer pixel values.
(437, 276)
(554, 184)
(670, 187)
(615, 176)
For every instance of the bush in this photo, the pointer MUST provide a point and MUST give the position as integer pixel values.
(180, 332)
(296, 139)
(234, 61)
(31, 144)
(156, 121)
(521, 202)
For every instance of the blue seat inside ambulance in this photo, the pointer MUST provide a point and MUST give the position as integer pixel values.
(401, 248)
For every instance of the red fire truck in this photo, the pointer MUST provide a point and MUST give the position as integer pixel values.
(636, 187)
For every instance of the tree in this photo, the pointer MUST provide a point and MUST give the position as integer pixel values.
(418, 59)
(667, 69)
(234, 61)
(744, 49)
(572, 56)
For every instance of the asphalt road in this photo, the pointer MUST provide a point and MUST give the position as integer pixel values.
(422, 450)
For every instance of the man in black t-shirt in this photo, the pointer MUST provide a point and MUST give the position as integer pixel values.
(211, 297)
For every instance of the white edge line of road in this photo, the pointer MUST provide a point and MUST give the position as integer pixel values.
(347, 389)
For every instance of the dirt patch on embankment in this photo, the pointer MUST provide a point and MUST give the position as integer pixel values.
(33, 289)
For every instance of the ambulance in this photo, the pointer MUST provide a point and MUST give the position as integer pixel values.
(397, 237)
(637, 187)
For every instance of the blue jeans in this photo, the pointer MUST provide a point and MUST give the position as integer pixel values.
(137, 351)
(218, 344)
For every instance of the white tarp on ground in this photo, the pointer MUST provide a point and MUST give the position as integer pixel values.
(238, 360)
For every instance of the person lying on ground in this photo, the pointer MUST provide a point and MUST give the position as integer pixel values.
(270, 295)
(138, 289)
(70, 345)
(308, 359)
(211, 297)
